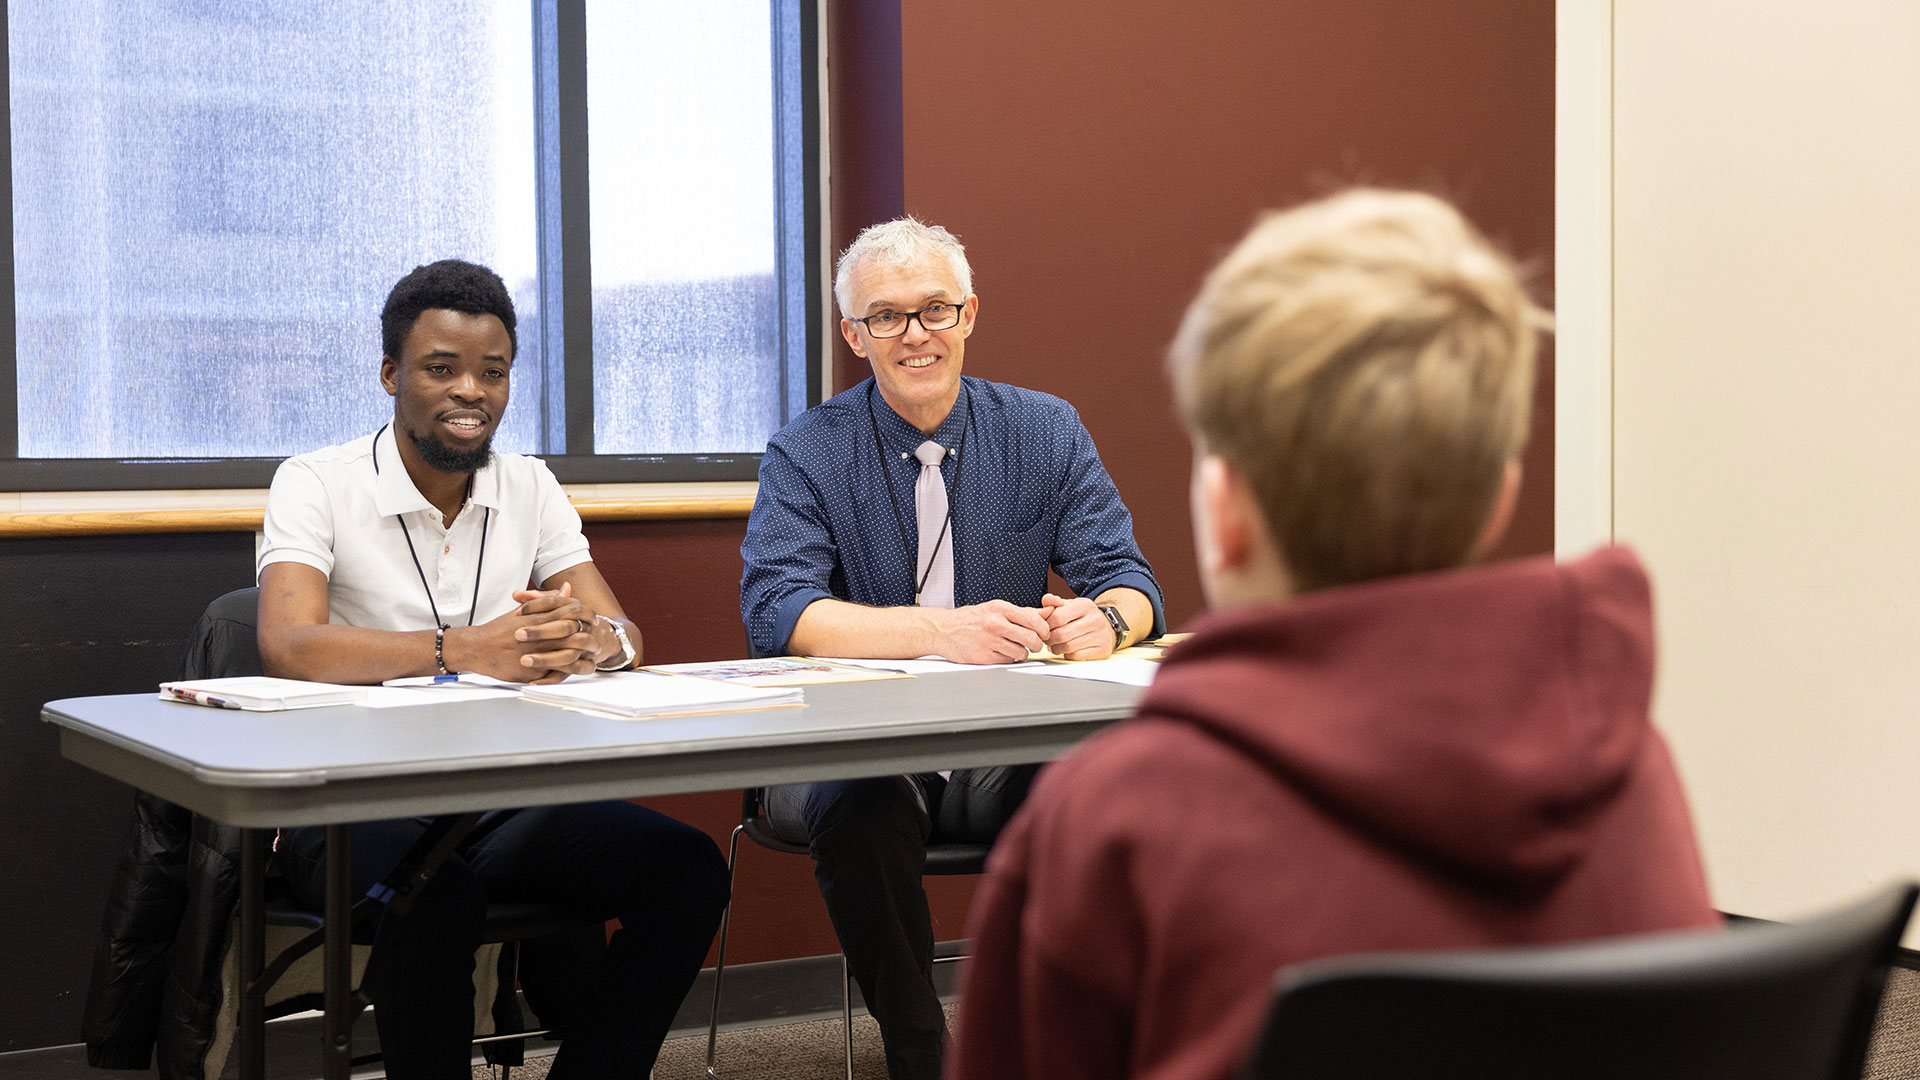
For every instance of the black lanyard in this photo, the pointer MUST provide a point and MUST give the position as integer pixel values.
(893, 497)
(477, 563)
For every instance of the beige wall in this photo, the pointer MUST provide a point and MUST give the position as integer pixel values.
(1760, 344)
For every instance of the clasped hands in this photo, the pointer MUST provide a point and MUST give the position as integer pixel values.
(997, 632)
(550, 636)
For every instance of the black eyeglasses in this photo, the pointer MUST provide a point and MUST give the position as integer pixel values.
(939, 316)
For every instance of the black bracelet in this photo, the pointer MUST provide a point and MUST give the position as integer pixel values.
(439, 650)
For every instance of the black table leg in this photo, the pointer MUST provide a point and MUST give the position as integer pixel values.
(250, 1038)
(338, 957)
(395, 893)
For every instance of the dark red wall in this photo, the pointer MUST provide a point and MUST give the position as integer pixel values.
(1097, 156)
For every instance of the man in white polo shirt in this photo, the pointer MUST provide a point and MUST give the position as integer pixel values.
(418, 550)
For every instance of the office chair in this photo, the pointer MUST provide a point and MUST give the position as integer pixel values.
(1759, 1001)
(225, 643)
(942, 860)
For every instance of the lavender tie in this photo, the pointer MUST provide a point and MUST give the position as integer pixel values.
(936, 535)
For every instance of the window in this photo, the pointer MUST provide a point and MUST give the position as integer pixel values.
(211, 198)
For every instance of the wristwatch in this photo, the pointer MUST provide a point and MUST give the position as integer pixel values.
(1118, 623)
(626, 647)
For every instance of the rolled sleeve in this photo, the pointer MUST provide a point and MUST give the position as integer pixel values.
(1094, 547)
(1141, 583)
(787, 556)
(299, 523)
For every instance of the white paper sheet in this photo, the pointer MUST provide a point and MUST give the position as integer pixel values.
(643, 693)
(925, 665)
(1117, 669)
(393, 697)
(465, 680)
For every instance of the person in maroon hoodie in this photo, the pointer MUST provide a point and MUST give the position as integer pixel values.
(1368, 744)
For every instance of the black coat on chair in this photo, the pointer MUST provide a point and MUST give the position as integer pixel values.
(156, 975)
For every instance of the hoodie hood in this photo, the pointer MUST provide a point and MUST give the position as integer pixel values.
(1481, 718)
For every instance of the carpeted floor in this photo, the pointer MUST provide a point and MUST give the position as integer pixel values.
(810, 1051)
(1895, 1054)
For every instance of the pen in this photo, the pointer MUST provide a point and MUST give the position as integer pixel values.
(441, 679)
(200, 697)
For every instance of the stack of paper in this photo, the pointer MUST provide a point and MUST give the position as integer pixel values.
(257, 693)
(638, 694)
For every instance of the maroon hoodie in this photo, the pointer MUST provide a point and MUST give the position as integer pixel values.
(1443, 760)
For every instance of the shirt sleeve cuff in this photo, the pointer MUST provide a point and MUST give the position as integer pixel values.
(320, 562)
(553, 564)
(1134, 579)
(786, 615)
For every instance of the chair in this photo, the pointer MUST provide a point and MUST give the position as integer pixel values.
(1761, 1001)
(225, 643)
(942, 860)
(507, 924)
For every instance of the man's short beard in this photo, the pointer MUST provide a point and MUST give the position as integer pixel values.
(439, 455)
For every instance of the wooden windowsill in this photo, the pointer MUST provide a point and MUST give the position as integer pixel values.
(105, 513)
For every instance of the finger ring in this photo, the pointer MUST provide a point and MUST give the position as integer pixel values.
(585, 626)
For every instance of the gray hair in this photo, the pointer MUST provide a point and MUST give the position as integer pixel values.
(900, 242)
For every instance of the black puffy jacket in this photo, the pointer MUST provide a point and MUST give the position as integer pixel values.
(156, 975)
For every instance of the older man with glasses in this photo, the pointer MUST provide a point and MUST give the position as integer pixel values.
(917, 514)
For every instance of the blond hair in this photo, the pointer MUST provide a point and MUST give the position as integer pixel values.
(902, 242)
(1366, 362)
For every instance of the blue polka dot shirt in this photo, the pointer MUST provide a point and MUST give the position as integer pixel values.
(1032, 494)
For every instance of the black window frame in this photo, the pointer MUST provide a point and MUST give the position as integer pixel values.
(565, 258)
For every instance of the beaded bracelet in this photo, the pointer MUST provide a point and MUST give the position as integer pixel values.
(439, 650)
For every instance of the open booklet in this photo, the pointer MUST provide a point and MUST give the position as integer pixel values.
(259, 693)
(780, 671)
(640, 694)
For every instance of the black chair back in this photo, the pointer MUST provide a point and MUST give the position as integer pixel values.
(1760, 1001)
(225, 642)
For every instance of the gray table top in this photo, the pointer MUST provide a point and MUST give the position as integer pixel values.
(351, 763)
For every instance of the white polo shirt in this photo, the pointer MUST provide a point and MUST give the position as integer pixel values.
(332, 510)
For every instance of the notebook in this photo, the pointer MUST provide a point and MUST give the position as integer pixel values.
(258, 693)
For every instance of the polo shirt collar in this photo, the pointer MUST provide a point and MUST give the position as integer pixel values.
(486, 485)
(394, 493)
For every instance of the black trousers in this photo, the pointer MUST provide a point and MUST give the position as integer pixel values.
(665, 881)
(869, 842)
